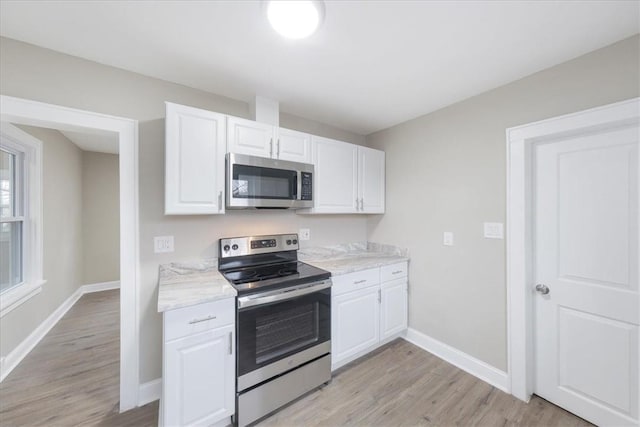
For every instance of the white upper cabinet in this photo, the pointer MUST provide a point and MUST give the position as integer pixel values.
(371, 184)
(348, 179)
(264, 140)
(194, 161)
(293, 146)
(249, 137)
(335, 184)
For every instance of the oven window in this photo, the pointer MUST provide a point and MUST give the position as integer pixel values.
(268, 333)
(252, 182)
(281, 332)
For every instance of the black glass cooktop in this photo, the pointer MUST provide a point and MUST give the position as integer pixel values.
(273, 276)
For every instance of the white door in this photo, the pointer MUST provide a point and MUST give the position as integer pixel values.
(200, 378)
(293, 146)
(335, 184)
(586, 252)
(194, 161)
(354, 323)
(249, 137)
(393, 308)
(371, 180)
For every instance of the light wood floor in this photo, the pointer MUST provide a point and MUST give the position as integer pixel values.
(71, 379)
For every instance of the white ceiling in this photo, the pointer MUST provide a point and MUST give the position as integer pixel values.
(371, 65)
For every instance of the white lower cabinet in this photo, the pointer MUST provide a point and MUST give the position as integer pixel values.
(365, 312)
(198, 378)
(393, 308)
(354, 320)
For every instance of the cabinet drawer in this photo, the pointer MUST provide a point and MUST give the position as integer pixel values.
(393, 271)
(354, 281)
(197, 318)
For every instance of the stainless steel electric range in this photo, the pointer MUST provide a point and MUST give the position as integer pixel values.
(283, 324)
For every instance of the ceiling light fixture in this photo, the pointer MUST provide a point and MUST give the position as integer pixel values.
(295, 19)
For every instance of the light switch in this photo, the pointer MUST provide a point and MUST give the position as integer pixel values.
(162, 244)
(494, 230)
(447, 238)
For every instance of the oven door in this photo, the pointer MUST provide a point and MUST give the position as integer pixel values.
(266, 183)
(278, 331)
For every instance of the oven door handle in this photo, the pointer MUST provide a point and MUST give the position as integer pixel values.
(281, 295)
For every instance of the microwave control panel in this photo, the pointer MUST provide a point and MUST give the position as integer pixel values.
(307, 186)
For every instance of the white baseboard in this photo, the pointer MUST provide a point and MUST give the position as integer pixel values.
(149, 391)
(470, 364)
(97, 287)
(11, 360)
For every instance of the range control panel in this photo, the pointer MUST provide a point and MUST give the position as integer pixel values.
(251, 245)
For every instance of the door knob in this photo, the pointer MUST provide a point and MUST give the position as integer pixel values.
(543, 289)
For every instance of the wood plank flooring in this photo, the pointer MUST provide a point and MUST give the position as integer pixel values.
(72, 379)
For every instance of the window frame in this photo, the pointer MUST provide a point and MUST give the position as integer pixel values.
(28, 183)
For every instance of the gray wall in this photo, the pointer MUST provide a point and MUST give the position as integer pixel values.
(446, 172)
(100, 217)
(30, 72)
(62, 238)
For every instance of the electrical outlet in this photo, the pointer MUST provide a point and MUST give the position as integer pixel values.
(447, 238)
(163, 244)
(304, 234)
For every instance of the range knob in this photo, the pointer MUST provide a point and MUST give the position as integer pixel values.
(234, 247)
(288, 241)
(295, 242)
(226, 248)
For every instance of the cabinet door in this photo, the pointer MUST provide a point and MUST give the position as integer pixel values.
(354, 323)
(194, 161)
(249, 137)
(293, 146)
(371, 180)
(393, 308)
(199, 378)
(336, 180)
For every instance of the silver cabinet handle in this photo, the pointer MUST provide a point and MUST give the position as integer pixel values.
(357, 204)
(379, 296)
(212, 317)
(278, 149)
(219, 200)
(357, 282)
(362, 204)
(396, 272)
(271, 147)
(230, 342)
(543, 289)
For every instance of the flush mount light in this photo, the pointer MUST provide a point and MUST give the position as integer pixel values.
(295, 19)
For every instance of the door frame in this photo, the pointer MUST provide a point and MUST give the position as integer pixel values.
(519, 239)
(28, 112)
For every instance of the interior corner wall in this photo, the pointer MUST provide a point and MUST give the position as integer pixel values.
(100, 217)
(446, 171)
(62, 238)
(30, 72)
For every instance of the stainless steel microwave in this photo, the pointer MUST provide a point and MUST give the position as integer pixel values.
(257, 182)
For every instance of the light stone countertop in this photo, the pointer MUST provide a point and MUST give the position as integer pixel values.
(190, 283)
(348, 258)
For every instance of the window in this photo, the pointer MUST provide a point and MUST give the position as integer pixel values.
(20, 217)
(11, 219)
